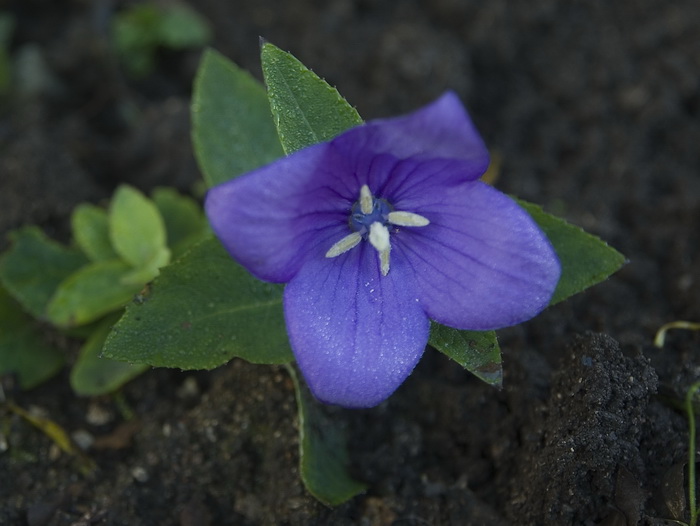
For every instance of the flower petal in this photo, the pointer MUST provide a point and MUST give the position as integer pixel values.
(271, 219)
(482, 263)
(439, 130)
(356, 334)
(390, 154)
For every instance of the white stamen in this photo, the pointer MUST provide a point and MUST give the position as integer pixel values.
(379, 238)
(366, 201)
(407, 219)
(341, 247)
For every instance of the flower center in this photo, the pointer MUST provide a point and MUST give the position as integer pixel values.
(370, 219)
(368, 210)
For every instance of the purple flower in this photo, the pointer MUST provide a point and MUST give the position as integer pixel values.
(375, 233)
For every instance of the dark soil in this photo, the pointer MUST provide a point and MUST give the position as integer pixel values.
(594, 109)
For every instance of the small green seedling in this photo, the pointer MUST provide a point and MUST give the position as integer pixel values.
(139, 31)
(660, 337)
(690, 411)
(659, 341)
(82, 289)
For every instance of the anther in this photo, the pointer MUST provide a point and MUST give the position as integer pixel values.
(366, 200)
(407, 219)
(347, 243)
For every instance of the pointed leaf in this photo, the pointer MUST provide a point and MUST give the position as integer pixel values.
(22, 350)
(94, 375)
(136, 228)
(184, 219)
(203, 310)
(233, 131)
(91, 232)
(585, 259)
(91, 292)
(306, 108)
(322, 450)
(476, 351)
(34, 266)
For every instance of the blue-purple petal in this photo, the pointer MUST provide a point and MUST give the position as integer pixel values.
(439, 130)
(272, 219)
(482, 263)
(356, 334)
(435, 145)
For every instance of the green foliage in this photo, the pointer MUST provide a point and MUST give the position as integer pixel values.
(203, 310)
(91, 292)
(476, 351)
(34, 267)
(323, 455)
(128, 246)
(22, 350)
(185, 224)
(90, 226)
(139, 31)
(306, 109)
(118, 252)
(136, 229)
(232, 127)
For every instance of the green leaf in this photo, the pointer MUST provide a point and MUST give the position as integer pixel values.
(91, 292)
(306, 109)
(22, 350)
(322, 450)
(91, 232)
(185, 223)
(93, 375)
(203, 310)
(33, 267)
(136, 229)
(585, 259)
(476, 351)
(233, 132)
(181, 27)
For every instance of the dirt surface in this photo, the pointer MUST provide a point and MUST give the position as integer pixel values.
(593, 108)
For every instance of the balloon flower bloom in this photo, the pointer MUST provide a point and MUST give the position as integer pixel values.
(375, 233)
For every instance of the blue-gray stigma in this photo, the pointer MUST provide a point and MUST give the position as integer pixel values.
(370, 219)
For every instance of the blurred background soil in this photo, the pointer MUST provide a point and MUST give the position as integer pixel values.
(594, 111)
